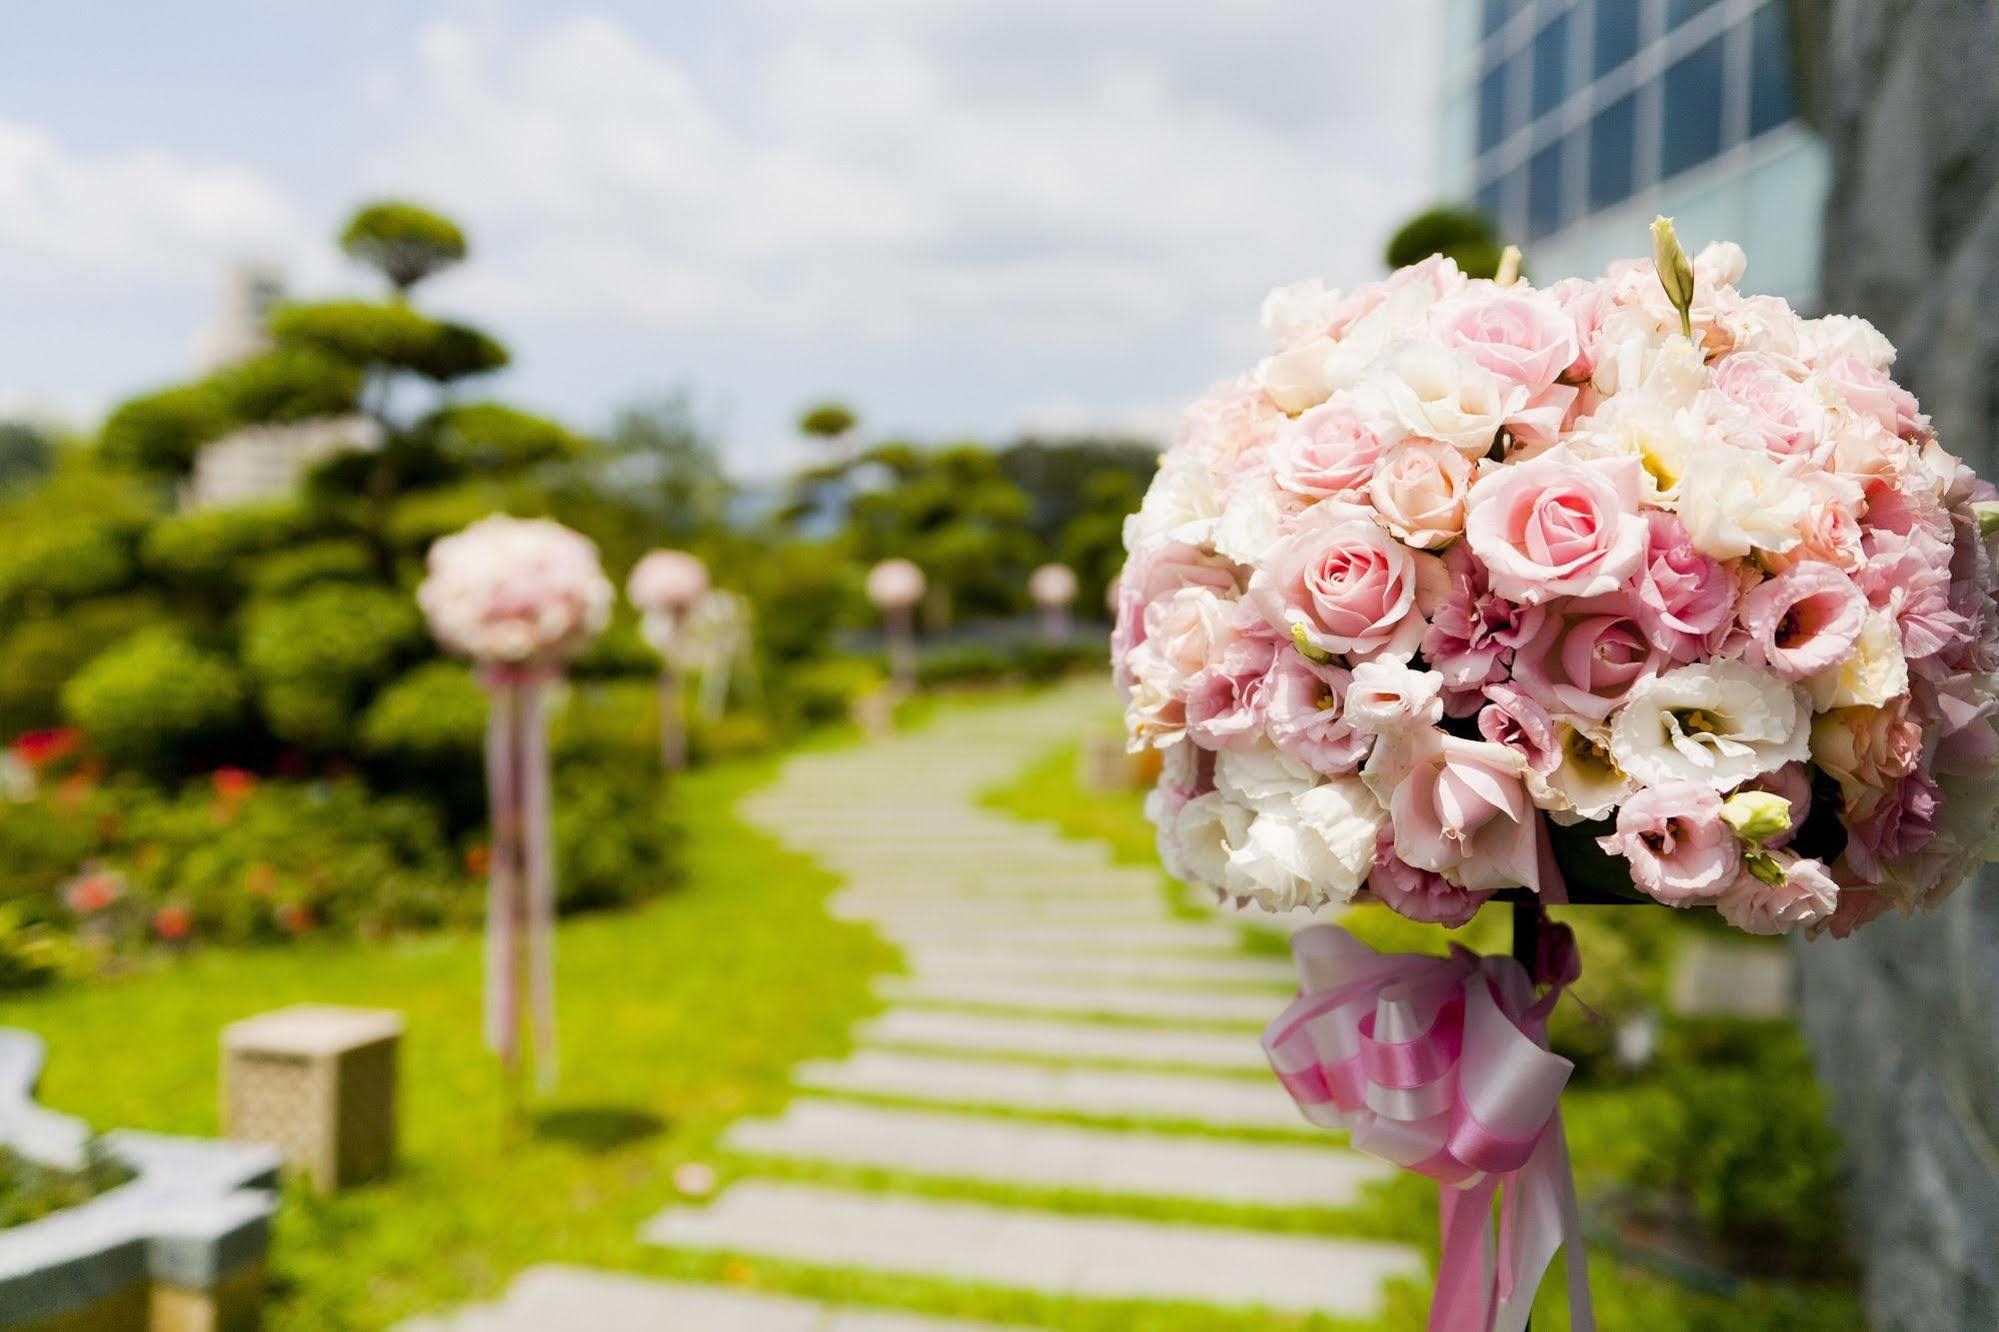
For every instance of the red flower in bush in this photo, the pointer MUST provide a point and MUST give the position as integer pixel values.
(232, 785)
(92, 891)
(260, 880)
(39, 748)
(173, 922)
(478, 859)
(296, 918)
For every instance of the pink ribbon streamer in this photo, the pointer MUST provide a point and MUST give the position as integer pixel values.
(520, 894)
(1441, 1065)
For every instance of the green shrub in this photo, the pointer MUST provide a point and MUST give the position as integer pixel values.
(30, 1190)
(336, 560)
(732, 735)
(608, 725)
(488, 436)
(618, 651)
(55, 561)
(364, 333)
(418, 519)
(163, 431)
(314, 654)
(435, 716)
(616, 840)
(1464, 235)
(208, 549)
(44, 651)
(42, 843)
(155, 700)
(403, 241)
(825, 691)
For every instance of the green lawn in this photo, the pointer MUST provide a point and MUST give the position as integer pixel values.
(676, 1017)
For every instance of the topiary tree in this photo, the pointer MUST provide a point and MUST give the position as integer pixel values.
(830, 421)
(313, 655)
(156, 701)
(402, 241)
(1463, 235)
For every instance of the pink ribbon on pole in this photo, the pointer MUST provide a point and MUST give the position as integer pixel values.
(520, 894)
(1441, 1065)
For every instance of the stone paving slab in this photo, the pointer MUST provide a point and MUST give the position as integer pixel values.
(1033, 940)
(1269, 973)
(973, 914)
(1090, 1257)
(1046, 1039)
(1214, 1101)
(1111, 999)
(575, 1299)
(1059, 1156)
(1753, 980)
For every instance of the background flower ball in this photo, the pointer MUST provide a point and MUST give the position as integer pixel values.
(895, 585)
(1052, 585)
(515, 592)
(668, 581)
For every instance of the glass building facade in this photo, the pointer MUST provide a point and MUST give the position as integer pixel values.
(1571, 122)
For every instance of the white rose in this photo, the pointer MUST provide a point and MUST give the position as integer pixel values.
(1386, 697)
(1262, 778)
(1317, 850)
(1300, 311)
(1833, 336)
(1296, 379)
(1718, 723)
(1253, 521)
(1442, 394)
(1873, 674)
(1180, 506)
(1733, 501)
(1418, 490)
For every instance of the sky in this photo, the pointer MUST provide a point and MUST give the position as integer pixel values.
(966, 218)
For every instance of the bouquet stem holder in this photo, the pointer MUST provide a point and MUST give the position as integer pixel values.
(520, 901)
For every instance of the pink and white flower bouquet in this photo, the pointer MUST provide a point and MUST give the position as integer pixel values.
(1641, 583)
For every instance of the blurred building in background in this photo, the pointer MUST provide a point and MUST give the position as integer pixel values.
(266, 461)
(1572, 122)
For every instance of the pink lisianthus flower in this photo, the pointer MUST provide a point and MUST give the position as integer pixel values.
(1329, 450)
(1783, 414)
(1683, 598)
(1872, 393)
(1583, 656)
(1866, 750)
(1344, 586)
(1909, 577)
(1153, 573)
(1805, 896)
(1901, 823)
(1673, 837)
(1305, 714)
(1558, 525)
(1226, 698)
(1513, 718)
(1420, 895)
(1460, 809)
(1857, 907)
(1473, 633)
(1803, 621)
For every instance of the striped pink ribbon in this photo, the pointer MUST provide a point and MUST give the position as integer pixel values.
(1441, 1065)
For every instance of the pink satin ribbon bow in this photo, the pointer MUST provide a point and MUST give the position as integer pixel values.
(1441, 1065)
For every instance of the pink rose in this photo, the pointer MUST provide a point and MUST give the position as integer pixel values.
(1673, 838)
(1783, 414)
(1421, 895)
(1871, 392)
(1345, 585)
(1150, 575)
(1330, 450)
(1419, 492)
(1474, 631)
(1866, 750)
(1909, 576)
(1804, 620)
(1521, 335)
(1460, 809)
(1512, 718)
(1805, 896)
(1857, 907)
(1682, 597)
(1387, 698)
(1558, 525)
(1902, 823)
(1585, 303)
(1305, 714)
(1583, 656)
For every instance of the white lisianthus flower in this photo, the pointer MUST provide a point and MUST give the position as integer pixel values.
(1317, 850)
(1832, 336)
(1300, 311)
(1443, 394)
(1296, 378)
(1253, 521)
(1586, 783)
(1648, 426)
(1198, 840)
(1181, 505)
(1386, 697)
(1717, 723)
(1873, 674)
(1734, 501)
(1263, 778)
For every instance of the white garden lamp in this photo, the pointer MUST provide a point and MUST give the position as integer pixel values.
(520, 597)
(665, 586)
(895, 586)
(1053, 588)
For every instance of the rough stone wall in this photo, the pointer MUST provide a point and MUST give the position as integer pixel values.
(1904, 1019)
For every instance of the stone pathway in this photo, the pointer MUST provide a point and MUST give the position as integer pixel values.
(1061, 1032)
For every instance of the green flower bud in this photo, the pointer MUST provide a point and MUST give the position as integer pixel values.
(1988, 516)
(1676, 271)
(1756, 816)
(1509, 267)
(1764, 866)
(1307, 649)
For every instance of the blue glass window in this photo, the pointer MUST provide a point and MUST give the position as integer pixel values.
(1545, 211)
(1613, 149)
(1496, 14)
(1616, 33)
(1491, 107)
(1489, 201)
(1694, 95)
(1551, 65)
(1679, 11)
(1771, 101)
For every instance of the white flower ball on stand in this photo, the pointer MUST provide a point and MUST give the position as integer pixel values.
(524, 592)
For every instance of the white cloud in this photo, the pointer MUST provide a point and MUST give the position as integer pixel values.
(883, 171)
(71, 219)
